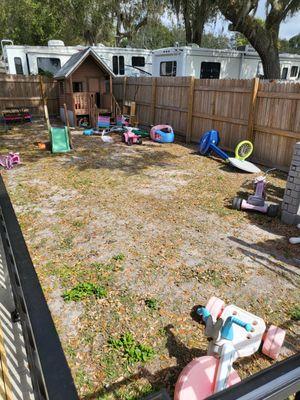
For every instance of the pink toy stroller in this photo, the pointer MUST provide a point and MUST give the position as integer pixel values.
(8, 161)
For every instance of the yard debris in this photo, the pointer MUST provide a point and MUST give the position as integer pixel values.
(146, 222)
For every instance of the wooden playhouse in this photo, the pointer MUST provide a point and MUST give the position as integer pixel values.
(85, 86)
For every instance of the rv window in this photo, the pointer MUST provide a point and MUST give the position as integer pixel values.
(18, 66)
(77, 87)
(284, 73)
(118, 65)
(121, 65)
(115, 65)
(210, 70)
(138, 61)
(168, 68)
(294, 71)
(48, 65)
(61, 87)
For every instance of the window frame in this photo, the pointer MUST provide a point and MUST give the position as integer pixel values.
(19, 66)
(134, 62)
(173, 68)
(118, 65)
(284, 73)
(80, 86)
(212, 64)
(294, 68)
(40, 70)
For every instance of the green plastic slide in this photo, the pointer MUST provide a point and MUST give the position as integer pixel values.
(59, 140)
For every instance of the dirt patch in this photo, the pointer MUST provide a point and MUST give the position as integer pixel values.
(147, 222)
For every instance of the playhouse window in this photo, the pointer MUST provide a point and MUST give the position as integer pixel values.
(18, 66)
(77, 87)
(168, 68)
(118, 65)
(48, 65)
(138, 61)
(294, 71)
(284, 72)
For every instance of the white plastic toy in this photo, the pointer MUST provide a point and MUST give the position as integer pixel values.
(295, 240)
(233, 333)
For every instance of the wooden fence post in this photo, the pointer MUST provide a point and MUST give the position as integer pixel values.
(124, 88)
(255, 86)
(190, 110)
(153, 100)
(44, 101)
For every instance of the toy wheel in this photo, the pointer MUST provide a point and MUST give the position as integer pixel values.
(129, 141)
(273, 342)
(273, 210)
(196, 381)
(215, 306)
(123, 138)
(237, 203)
(139, 141)
(243, 150)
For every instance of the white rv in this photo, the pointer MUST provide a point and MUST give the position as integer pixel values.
(217, 63)
(31, 60)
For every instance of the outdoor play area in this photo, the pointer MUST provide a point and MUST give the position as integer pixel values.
(126, 240)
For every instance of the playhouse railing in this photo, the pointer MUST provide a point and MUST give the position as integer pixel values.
(50, 374)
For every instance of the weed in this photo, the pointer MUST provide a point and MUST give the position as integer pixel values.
(118, 257)
(83, 290)
(295, 313)
(152, 304)
(132, 350)
(78, 223)
(211, 275)
(67, 243)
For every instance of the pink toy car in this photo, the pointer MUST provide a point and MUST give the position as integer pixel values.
(233, 333)
(130, 137)
(8, 161)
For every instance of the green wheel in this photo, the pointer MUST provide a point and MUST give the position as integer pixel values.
(243, 150)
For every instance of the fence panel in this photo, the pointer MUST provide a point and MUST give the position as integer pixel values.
(268, 113)
(25, 91)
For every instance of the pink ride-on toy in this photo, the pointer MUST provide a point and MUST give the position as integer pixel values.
(233, 333)
(130, 137)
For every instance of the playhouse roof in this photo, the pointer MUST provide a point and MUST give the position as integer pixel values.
(77, 59)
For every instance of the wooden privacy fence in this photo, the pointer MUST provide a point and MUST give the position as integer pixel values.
(27, 92)
(267, 113)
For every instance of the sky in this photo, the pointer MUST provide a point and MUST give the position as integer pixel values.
(288, 29)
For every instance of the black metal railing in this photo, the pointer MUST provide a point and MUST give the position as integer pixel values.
(50, 373)
(274, 383)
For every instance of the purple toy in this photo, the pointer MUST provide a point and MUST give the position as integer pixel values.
(8, 161)
(257, 201)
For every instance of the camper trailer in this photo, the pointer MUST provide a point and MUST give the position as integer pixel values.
(32, 60)
(218, 63)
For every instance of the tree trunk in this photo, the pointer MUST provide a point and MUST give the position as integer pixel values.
(264, 38)
(271, 64)
(188, 30)
(265, 43)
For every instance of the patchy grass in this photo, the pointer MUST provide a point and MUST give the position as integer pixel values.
(153, 304)
(131, 350)
(153, 227)
(84, 290)
(295, 313)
